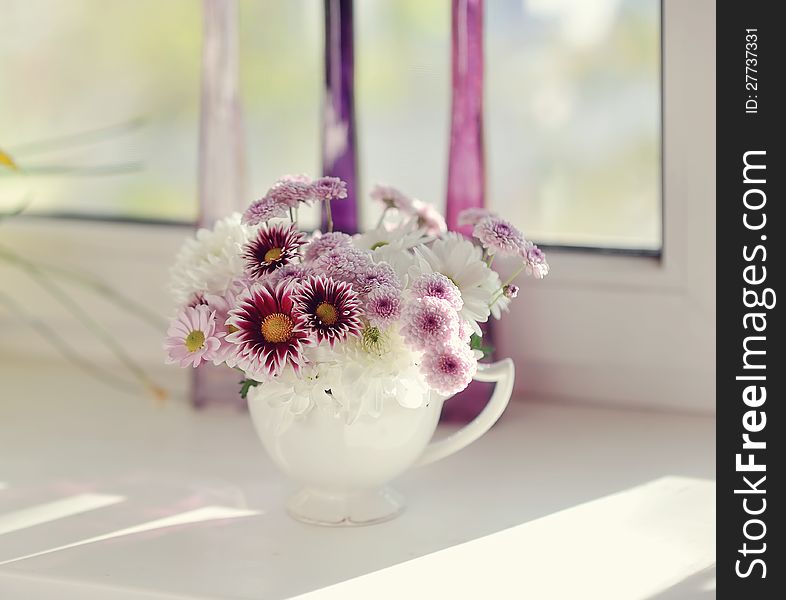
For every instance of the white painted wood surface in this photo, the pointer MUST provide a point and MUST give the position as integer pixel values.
(619, 503)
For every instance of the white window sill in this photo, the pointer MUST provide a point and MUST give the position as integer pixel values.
(592, 331)
(556, 498)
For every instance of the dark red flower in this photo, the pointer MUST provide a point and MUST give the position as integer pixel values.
(273, 246)
(270, 332)
(330, 308)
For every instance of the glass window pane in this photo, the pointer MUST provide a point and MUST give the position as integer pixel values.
(281, 74)
(403, 97)
(85, 65)
(572, 106)
(572, 112)
(573, 115)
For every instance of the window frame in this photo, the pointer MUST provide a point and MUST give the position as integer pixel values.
(640, 331)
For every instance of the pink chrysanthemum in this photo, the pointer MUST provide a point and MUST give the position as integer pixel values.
(449, 369)
(297, 178)
(291, 190)
(191, 337)
(429, 323)
(263, 210)
(330, 308)
(429, 218)
(342, 263)
(383, 306)
(325, 242)
(293, 272)
(376, 275)
(499, 236)
(328, 188)
(273, 247)
(472, 216)
(510, 291)
(391, 197)
(534, 260)
(285, 194)
(437, 285)
(269, 332)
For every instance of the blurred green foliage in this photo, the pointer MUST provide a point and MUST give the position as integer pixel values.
(572, 105)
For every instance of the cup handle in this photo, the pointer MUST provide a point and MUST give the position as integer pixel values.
(502, 373)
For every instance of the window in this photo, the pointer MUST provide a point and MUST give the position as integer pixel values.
(611, 328)
(99, 105)
(572, 112)
(124, 78)
(572, 107)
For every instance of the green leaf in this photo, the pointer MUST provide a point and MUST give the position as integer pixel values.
(245, 385)
(476, 343)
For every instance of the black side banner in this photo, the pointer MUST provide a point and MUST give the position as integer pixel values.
(751, 257)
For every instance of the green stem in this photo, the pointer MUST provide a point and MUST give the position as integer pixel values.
(508, 281)
(63, 347)
(329, 214)
(382, 217)
(37, 275)
(121, 301)
(78, 139)
(88, 171)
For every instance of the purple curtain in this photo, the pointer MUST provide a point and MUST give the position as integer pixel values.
(339, 158)
(466, 164)
(221, 160)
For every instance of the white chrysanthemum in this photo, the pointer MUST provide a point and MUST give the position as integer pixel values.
(355, 378)
(500, 305)
(402, 238)
(377, 367)
(462, 262)
(296, 395)
(393, 246)
(210, 261)
(401, 260)
(304, 390)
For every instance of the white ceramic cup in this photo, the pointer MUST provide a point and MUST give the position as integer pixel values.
(344, 468)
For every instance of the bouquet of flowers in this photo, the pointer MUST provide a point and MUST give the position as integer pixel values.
(339, 322)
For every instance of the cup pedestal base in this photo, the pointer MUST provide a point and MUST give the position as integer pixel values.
(332, 509)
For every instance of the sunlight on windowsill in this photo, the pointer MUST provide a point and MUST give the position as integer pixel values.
(75, 504)
(633, 544)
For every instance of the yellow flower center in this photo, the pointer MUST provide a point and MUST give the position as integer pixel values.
(195, 340)
(273, 254)
(327, 313)
(277, 328)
